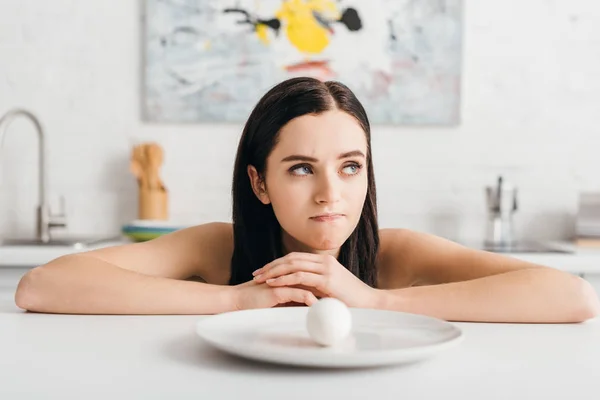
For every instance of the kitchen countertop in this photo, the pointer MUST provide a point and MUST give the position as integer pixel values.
(156, 357)
(580, 261)
(31, 256)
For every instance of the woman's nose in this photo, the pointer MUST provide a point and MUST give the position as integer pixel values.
(328, 190)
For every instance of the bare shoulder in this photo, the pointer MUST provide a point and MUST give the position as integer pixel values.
(392, 258)
(412, 258)
(217, 250)
(210, 247)
(201, 251)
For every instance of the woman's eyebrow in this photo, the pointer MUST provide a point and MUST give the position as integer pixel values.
(299, 157)
(353, 153)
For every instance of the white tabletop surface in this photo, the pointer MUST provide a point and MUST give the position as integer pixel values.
(44, 356)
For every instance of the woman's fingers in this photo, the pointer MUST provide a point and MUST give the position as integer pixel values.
(287, 295)
(290, 304)
(290, 258)
(298, 278)
(311, 289)
(288, 268)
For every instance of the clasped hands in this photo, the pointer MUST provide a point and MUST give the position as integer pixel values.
(303, 278)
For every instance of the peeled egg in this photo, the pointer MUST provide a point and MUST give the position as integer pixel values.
(328, 321)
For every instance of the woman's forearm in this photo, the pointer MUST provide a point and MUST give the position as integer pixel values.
(81, 284)
(536, 295)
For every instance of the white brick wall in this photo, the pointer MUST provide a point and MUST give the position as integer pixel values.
(530, 111)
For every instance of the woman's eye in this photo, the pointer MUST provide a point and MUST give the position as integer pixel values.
(300, 170)
(351, 169)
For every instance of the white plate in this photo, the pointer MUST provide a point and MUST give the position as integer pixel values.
(279, 335)
(155, 223)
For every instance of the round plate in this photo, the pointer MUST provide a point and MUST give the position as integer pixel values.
(279, 335)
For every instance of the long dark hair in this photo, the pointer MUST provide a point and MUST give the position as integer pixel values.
(256, 231)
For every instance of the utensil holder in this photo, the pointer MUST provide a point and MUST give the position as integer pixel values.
(153, 204)
(500, 230)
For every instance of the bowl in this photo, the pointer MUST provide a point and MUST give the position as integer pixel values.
(144, 230)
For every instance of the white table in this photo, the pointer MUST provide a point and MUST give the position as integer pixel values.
(45, 356)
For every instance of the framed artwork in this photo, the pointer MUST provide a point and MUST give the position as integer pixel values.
(211, 60)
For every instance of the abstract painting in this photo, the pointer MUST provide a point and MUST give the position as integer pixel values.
(212, 60)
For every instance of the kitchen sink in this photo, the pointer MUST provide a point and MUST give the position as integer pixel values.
(78, 243)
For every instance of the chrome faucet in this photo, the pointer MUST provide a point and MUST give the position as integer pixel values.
(45, 219)
(501, 204)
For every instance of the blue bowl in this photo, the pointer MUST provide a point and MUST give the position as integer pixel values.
(143, 231)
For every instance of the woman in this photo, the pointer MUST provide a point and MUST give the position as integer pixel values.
(304, 227)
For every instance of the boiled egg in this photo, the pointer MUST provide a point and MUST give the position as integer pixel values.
(328, 321)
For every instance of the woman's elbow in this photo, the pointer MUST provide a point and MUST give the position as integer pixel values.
(588, 305)
(28, 295)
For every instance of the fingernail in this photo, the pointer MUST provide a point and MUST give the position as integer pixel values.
(257, 277)
(257, 271)
(271, 280)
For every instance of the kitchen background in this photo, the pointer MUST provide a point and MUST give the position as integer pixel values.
(529, 111)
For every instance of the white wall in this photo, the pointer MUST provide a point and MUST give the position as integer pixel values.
(530, 111)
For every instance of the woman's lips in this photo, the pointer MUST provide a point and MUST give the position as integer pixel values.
(327, 217)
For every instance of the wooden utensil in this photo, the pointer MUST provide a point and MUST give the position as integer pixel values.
(154, 157)
(138, 165)
(136, 169)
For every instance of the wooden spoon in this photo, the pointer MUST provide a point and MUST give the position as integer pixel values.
(136, 169)
(154, 156)
(139, 165)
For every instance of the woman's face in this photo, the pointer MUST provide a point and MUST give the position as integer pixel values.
(316, 181)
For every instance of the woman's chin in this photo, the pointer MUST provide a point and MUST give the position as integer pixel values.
(325, 244)
(318, 242)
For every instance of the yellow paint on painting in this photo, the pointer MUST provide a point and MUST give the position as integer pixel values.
(262, 33)
(302, 29)
(308, 39)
